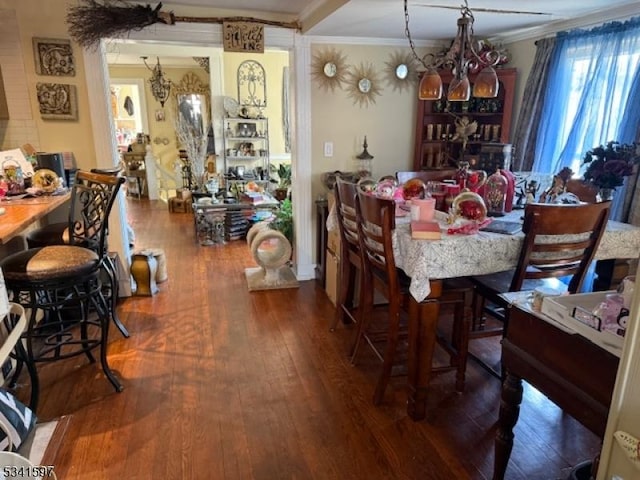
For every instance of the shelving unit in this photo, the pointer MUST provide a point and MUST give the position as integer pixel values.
(435, 146)
(246, 145)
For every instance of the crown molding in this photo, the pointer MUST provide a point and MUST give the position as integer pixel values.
(597, 18)
(378, 42)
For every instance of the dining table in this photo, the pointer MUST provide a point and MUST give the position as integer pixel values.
(428, 262)
(17, 214)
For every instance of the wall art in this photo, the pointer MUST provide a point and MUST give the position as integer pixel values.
(401, 71)
(54, 57)
(57, 101)
(363, 85)
(329, 69)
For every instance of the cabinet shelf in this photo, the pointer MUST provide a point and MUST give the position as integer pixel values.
(238, 132)
(432, 152)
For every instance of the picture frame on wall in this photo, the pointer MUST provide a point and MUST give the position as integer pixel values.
(57, 101)
(54, 57)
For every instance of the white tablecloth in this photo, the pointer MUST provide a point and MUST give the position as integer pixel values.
(484, 252)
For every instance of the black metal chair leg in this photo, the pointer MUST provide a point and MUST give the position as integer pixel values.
(110, 269)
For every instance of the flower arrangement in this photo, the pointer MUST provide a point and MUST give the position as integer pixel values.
(607, 165)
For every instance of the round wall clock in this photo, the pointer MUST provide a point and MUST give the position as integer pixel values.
(329, 68)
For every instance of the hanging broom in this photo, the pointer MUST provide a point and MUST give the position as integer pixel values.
(92, 20)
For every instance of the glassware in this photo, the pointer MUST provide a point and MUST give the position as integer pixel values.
(495, 194)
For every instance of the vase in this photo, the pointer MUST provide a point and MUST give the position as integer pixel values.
(605, 194)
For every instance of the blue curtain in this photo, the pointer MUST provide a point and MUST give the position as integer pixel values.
(589, 98)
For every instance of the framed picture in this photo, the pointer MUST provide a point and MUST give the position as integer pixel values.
(54, 57)
(57, 101)
(160, 116)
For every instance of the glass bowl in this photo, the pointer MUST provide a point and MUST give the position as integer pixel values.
(413, 188)
(470, 206)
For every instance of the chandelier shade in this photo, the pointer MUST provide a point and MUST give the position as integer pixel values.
(160, 85)
(462, 57)
(486, 84)
(430, 87)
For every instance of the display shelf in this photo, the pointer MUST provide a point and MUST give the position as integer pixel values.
(437, 118)
(246, 144)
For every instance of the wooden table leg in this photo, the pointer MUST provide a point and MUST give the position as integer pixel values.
(423, 320)
(509, 412)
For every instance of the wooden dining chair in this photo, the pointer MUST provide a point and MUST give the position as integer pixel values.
(560, 241)
(376, 222)
(425, 175)
(350, 259)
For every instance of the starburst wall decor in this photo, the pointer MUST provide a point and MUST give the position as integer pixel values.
(363, 85)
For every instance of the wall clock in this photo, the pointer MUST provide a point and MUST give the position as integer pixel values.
(363, 85)
(329, 69)
(401, 71)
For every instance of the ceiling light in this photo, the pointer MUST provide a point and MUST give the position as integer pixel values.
(462, 57)
(160, 85)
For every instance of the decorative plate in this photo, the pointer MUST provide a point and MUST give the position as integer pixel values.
(231, 106)
(45, 180)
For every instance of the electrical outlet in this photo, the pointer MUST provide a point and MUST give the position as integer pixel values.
(616, 477)
(328, 149)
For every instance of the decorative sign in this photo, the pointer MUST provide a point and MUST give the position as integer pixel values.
(243, 37)
(57, 101)
(53, 57)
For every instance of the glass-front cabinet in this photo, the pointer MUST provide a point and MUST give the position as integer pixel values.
(246, 150)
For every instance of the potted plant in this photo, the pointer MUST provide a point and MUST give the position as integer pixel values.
(607, 165)
(283, 221)
(283, 181)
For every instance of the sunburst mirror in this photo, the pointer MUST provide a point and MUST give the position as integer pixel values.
(363, 85)
(401, 71)
(329, 69)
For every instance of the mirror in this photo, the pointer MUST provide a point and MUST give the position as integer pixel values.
(330, 69)
(191, 100)
(402, 71)
(364, 85)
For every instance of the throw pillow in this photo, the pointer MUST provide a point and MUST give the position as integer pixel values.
(16, 422)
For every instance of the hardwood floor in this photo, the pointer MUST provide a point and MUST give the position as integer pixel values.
(221, 383)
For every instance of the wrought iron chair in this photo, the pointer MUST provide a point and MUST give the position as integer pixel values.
(79, 218)
(60, 286)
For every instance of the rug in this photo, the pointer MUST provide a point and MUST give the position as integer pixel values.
(271, 279)
(46, 441)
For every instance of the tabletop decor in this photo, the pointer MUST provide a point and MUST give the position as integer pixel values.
(607, 165)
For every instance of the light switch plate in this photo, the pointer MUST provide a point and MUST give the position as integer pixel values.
(328, 149)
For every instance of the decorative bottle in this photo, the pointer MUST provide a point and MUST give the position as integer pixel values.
(495, 193)
(462, 174)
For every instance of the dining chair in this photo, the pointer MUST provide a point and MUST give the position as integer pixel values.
(376, 222)
(60, 286)
(560, 240)
(81, 214)
(350, 272)
(425, 175)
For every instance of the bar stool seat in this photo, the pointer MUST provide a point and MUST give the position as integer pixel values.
(61, 288)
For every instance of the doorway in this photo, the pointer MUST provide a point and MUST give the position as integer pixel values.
(300, 59)
(129, 110)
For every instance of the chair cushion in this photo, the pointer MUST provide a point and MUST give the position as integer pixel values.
(49, 263)
(53, 234)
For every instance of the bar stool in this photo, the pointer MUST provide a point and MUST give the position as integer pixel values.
(60, 286)
(58, 234)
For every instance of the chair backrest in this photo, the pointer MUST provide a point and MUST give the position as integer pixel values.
(376, 222)
(425, 175)
(345, 194)
(92, 197)
(560, 240)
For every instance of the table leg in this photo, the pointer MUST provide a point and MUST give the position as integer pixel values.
(423, 320)
(509, 412)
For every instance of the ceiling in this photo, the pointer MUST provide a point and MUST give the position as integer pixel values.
(428, 20)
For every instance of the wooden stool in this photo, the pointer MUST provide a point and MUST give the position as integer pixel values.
(144, 268)
(161, 259)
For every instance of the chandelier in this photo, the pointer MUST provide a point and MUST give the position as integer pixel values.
(160, 85)
(461, 58)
